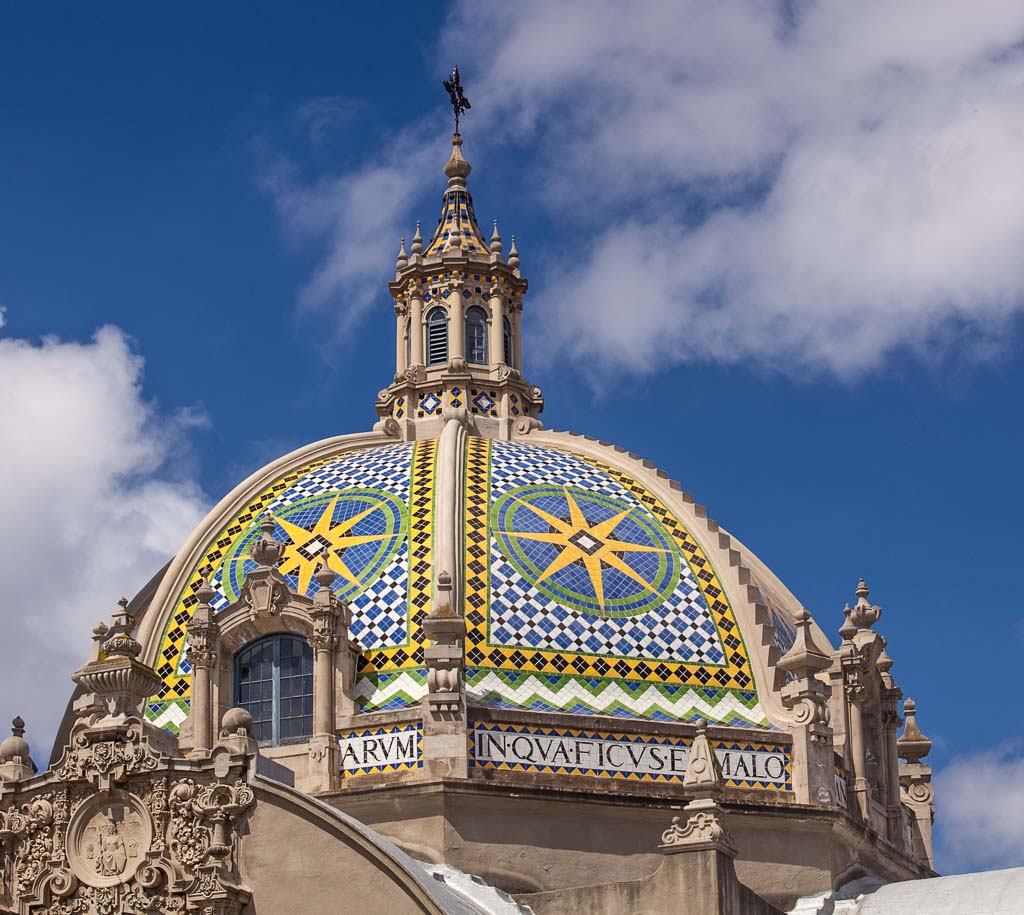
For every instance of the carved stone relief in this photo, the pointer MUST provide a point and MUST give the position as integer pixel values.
(108, 838)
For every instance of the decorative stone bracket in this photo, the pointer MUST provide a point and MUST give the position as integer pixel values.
(445, 657)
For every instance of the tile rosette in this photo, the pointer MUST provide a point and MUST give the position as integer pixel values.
(637, 625)
(373, 507)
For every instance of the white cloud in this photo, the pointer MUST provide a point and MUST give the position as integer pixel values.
(357, 217)
(808, 186)
(91, 508)
(818, 187)
(980, 810)
(3, 315)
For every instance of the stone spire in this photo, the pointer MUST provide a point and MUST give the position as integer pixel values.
(513, 255)
(704, 828)
(457, 229)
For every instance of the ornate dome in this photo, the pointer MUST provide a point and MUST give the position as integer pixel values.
(462, 624)
(588, 584)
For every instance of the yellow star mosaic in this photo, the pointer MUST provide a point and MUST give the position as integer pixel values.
(593, 547)
(308, 546)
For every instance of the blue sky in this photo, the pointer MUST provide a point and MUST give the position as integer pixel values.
(738, 271)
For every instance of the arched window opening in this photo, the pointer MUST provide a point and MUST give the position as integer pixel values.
(476, 336)
(274, 683)
(437, 337)
(506, 337)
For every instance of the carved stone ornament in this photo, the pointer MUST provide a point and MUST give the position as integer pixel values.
(265, 592)
(108, 838)
(415, 373)
(91, 758)
(704, 827)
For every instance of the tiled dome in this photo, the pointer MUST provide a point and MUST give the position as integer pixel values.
(582, 590)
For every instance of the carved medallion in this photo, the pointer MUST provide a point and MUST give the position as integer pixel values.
(108, 838)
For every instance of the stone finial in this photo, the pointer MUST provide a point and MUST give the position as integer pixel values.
(457, 168)
(326, 601)
(205, 592)
(417, 240)
(16, 755)
(99, 636)
(704, 827)
(236, 721)
(236, 732)
(266, 550)
(15, 747)
(513, 254)
(703, 771)
(847, 631)
(324, 574)
(804, 656)
(495, 239)
(403, 258)
(884, 662)
(117, 681)
(119, 642)
(864, 615)
(912, 746)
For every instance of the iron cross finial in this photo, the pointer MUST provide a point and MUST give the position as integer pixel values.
(460, 104)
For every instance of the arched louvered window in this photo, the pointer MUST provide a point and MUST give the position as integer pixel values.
(274, 683)
(506, 336)
(476, 335)
(437, 337)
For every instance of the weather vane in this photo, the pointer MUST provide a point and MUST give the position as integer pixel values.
(460, 104)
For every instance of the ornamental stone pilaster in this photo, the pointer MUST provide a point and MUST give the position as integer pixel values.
(855, 692)
(203, 633)
(327, 615)
(916, 782)
(807, 697)
(444, 709)
(890, 695)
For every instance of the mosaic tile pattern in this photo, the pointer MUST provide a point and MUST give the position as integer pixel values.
(371, 511)
(482, 402)
(457, 220)
(428, 403)
(575, 695)
(577, 576)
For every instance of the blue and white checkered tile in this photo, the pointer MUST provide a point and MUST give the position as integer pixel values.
(681, 629)
(385, 467)
(380, 613)
(514, 464)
